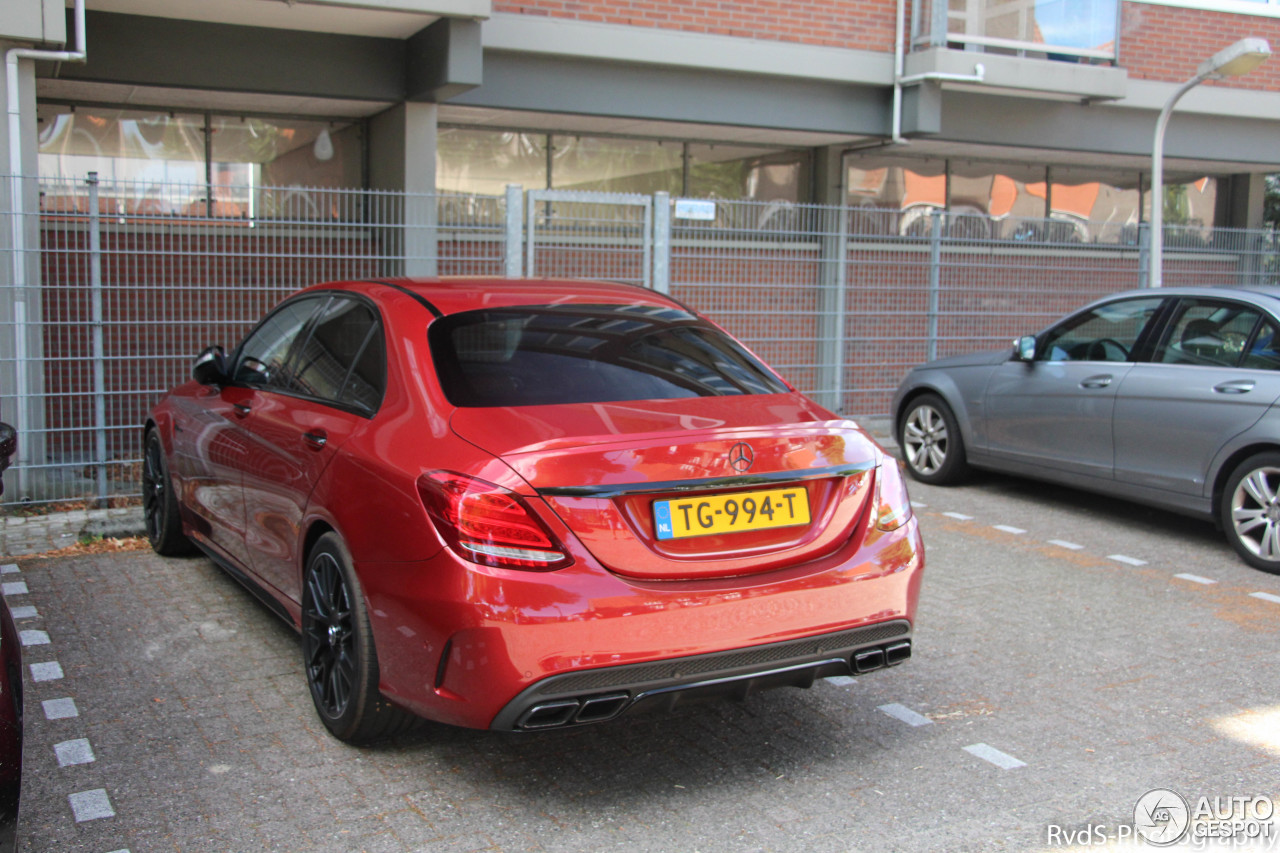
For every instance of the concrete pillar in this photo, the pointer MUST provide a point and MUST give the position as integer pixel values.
(829, 191)
(402, 157)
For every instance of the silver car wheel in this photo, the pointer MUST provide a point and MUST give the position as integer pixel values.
(925, 439)
(1255, 513)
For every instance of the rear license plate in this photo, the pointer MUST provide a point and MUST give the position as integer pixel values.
(705, 515)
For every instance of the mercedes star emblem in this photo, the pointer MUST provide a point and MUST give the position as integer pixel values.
(741, 457)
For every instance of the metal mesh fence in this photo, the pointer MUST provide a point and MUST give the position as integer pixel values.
(115, 288)
(125, 283)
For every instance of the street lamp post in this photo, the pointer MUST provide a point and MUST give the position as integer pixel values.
(1239, 58)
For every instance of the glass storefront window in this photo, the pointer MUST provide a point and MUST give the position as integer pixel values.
(743, 172)
(158, 163)
(485, 161)
(615, 165)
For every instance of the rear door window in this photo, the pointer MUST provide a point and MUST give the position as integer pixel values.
(546, 355)
(343, 359)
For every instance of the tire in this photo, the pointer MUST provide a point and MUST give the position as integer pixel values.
(1250, 511)
(930, 441)
(159, 503)
(338, 656)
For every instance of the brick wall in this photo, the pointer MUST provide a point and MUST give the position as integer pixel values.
(1168, 43)
(865, 25)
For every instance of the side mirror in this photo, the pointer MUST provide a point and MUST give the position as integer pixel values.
(1024, 348)
(210, 367)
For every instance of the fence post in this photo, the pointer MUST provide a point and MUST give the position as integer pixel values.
(99, 349)
(662, 242)
(1144, 254)
(935, 278)
(833, 238)
(515, 231)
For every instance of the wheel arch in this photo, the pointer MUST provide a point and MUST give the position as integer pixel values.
(1229, 465)
(949, 394)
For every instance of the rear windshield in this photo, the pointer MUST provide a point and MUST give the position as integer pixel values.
(549, 354)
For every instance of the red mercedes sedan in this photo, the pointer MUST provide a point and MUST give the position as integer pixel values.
(531, 504)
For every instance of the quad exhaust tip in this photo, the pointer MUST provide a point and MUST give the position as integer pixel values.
(869, 660)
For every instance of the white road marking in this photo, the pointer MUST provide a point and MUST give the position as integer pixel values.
(72, 752)
(1008, 529)
(1195, 578)
(1070, 546)
(26, 611)
(1266, 596)
(60, 709)
(919, 505)
(13, 588)
(906, 715)
(91, 805)
(33, 638)
(842, 680)
(958, 516)
(1003, 760)
(50, 671)
(9, 569)
(1127, 560)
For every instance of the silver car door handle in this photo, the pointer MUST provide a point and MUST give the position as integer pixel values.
(1100, 381)
(1238, 386)
(316, 439)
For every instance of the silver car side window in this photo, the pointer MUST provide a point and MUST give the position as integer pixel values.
(1212, 333)
(1105, 333)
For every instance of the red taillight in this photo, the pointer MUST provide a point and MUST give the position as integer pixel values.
(893, 504)
(488, 524)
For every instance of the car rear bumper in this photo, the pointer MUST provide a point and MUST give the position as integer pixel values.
(597, 695)
(515, 650)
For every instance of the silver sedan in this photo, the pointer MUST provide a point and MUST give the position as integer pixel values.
(1165, 397)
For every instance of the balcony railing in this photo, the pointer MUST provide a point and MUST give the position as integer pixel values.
(1069, 30)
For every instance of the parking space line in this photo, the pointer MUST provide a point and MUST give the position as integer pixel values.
(91, 805)
(1009, 529)
(33, 637)
(9, 569)
(958, 516)
(13, 588)
(841, 680)
(1003, 760)
(918, 505)
(1195, 578)
(1070, 546)
(60, 709)
(906, 715)
(71, 752)
(1266, 596)
(26, 611)
(50, 671)
(1127, 560)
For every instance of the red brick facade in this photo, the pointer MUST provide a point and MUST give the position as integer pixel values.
(1168, 43)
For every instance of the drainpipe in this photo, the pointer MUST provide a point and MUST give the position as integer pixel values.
(18, 246)
(899, 65)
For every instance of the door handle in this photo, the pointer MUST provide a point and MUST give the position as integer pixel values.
(1238, 386)
(316, 439)
(241, 409)
(1100, 381)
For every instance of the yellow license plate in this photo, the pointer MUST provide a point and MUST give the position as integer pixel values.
(704, 515)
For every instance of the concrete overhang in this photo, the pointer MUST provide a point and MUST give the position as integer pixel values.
(1046, 78)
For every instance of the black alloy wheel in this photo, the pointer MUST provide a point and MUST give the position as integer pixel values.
(159, 503)
(337, 650)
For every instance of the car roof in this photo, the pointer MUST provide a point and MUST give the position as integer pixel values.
(453, 294)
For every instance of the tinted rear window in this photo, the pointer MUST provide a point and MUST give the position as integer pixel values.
(549, 354)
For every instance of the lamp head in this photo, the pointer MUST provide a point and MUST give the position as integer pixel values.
(1234, 60)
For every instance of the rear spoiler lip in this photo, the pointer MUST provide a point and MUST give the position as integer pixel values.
(613, 490)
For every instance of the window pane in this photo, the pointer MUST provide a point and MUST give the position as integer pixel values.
(616, 165)
(261, 358)
(1107, 333)
(485, 161)
(743, 172)
(548, 355)
(335, 343)
(1212, 333)
(1264, 350)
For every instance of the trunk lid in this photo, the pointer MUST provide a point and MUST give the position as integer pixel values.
(690, 488)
